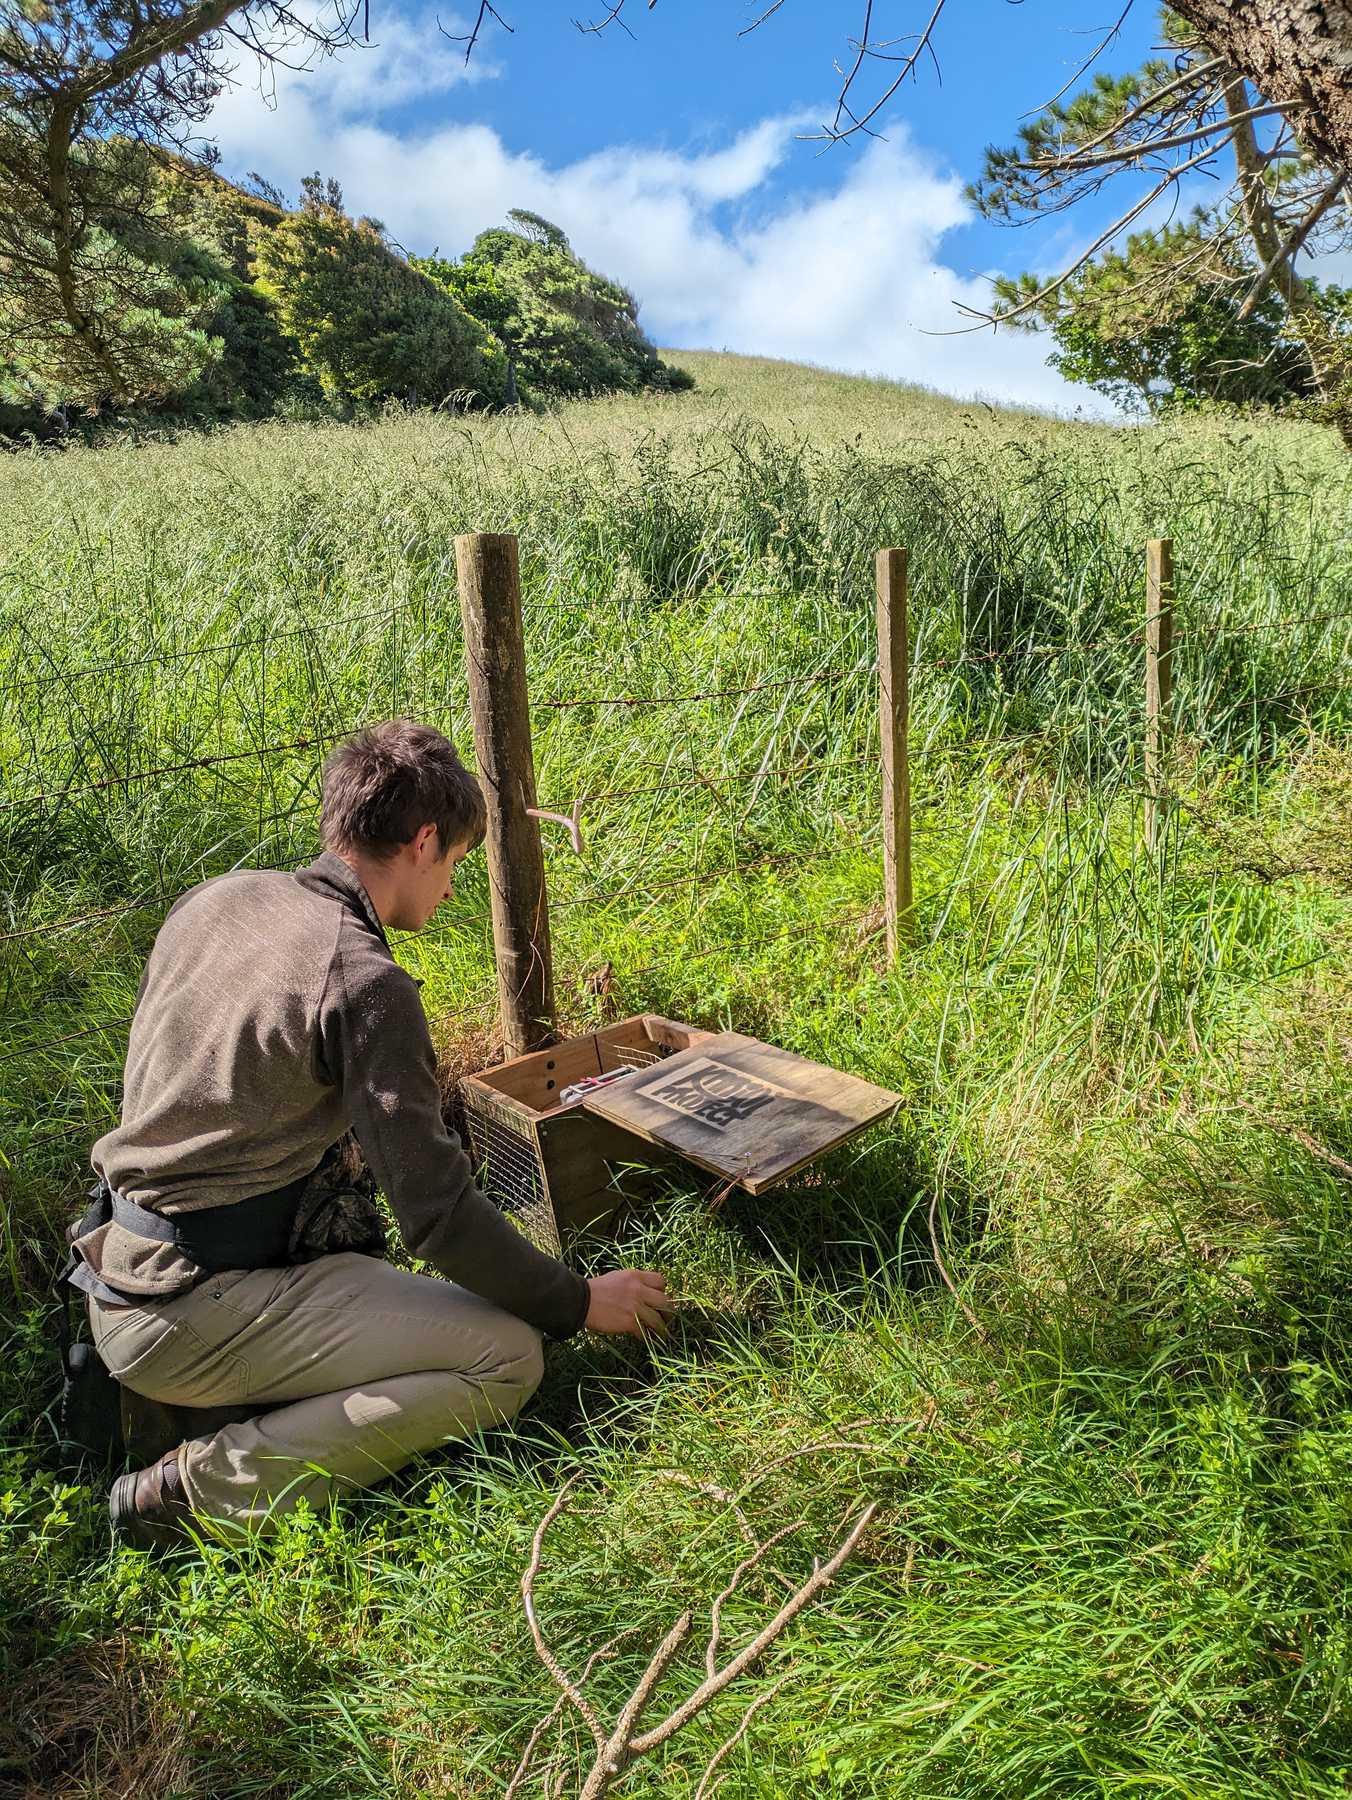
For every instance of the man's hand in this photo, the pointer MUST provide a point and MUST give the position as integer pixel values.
(632, 1301)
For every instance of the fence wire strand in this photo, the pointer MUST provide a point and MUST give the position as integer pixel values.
(134, 777)
(164, 659)
(755, 687)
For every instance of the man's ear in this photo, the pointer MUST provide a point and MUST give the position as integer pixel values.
(425, 844)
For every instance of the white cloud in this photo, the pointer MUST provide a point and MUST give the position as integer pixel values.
(849, 277)
(296, 108)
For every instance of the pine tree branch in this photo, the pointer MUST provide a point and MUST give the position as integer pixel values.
(1074, 164)
(1054, 286)
(1087, 64)
(1287, 251)
(1189, 78)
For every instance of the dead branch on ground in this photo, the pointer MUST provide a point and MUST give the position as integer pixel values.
(619, 1747)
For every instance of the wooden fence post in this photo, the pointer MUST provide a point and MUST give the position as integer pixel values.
(894, 699)
(1159, 682)
(490, 604)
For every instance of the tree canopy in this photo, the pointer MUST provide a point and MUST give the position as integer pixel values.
(567, 329)
(237, 306)
(1213, 308)
(100, 306)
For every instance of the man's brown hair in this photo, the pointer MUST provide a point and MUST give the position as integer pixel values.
(385, 782)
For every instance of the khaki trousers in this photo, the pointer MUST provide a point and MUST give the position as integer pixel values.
(376, 1365)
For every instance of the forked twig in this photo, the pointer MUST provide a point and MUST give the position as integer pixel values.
(617, 1749)
(470, 38)
(788, 1456)
(542, 1649)
(744, 1567)
(1305, 1139)
(820, 1578)
(712, 1491)
(528, 1754)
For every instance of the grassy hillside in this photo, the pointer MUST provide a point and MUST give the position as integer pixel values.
(1111, 1450)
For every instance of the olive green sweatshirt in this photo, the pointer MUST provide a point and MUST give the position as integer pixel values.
(272, 1018)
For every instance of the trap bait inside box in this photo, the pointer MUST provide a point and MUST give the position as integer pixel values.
(745, 1111)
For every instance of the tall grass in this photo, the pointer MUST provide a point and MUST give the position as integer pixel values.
(1114, 1541)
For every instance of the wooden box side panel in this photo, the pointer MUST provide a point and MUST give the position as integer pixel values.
(504, 1148)
(591, 1170)
(670, 1036)
(538, 1156)
(536, 1081)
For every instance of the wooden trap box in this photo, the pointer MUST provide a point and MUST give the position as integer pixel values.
(745, 1111)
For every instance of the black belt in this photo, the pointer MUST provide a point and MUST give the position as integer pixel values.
(247, 1234)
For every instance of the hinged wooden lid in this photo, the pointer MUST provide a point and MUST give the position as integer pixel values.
(745, 1110)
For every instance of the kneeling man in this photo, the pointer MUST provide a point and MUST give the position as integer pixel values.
(272, 1020)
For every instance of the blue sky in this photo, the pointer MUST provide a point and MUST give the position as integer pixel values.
(673, 160)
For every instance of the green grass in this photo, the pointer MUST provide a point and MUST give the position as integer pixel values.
(1114, 1537)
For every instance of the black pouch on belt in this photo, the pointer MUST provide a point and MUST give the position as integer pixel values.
(331, 1209)
(89, 1413)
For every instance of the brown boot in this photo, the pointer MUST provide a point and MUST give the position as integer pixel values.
(149, 1508)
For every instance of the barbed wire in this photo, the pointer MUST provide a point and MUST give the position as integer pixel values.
(755, 687)
(120, 665)
(283, 815)
(133, 776)
(1294, 619)
(695, 878)
(1258, 702)
(973, 748)
(1307, 687)
(485, 999)
(266, 640)
(260, 752)
(1135, 638)
(702, 779)
(824, 922)
(89, 918)
(795, 773)
(56, 1137)
(919, 663)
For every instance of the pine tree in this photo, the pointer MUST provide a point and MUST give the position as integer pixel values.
(1212, 308)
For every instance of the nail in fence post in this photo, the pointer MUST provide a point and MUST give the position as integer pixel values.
(894, 697)
(490, 605)
(1159, 681)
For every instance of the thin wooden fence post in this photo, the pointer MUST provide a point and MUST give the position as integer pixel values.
(894, 703)
(1159, 682)
(490, 604)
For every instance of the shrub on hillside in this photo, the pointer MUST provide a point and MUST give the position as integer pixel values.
(368, 324)
(568, 329)
(259, 365)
